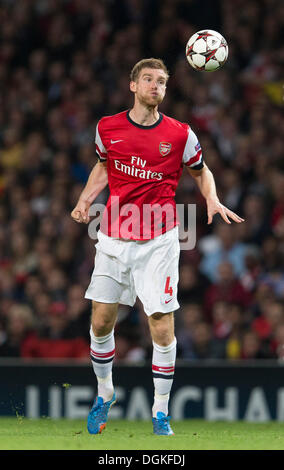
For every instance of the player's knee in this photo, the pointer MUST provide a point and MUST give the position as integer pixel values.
(102, 320)
(162, 330)
(101, 326)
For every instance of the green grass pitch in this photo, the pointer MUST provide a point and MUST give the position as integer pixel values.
(46, 434)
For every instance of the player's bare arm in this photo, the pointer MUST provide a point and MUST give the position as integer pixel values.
(97, 181)
(206, 183)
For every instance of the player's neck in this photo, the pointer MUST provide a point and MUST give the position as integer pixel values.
(145, 116)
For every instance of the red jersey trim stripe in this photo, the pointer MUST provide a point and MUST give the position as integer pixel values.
(195, 160)
(101, 154)
(102, 355)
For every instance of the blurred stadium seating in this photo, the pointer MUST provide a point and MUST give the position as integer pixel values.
(63, 65)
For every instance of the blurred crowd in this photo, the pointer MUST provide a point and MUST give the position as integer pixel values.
(63, 65)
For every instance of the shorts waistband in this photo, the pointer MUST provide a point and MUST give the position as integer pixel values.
(135, 241)
(128, 240)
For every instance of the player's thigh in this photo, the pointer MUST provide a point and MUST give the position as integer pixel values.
(111, 281)
(156, 273)
(162, 328)
(104, 317)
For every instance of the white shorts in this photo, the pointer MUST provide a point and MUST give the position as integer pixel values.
(127, 269)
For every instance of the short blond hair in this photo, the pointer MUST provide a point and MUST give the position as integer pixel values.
(149, 63)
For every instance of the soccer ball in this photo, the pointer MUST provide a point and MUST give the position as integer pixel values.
(207, 50)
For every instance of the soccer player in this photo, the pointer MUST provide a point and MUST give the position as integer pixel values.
(141, 155)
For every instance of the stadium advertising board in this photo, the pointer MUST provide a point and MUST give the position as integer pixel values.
(251, 392)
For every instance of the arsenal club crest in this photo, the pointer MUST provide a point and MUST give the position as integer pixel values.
(165, 148)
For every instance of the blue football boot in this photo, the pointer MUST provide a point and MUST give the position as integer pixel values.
(97, 417)
(161, 425)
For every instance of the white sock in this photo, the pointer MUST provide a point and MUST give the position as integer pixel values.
(163, 367)
(161, 403)
(102, 353)
(105, 387)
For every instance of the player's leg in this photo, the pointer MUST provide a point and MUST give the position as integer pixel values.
(156, 279)
(103, 346)
(109, 286)
(163, 360)
(102, 352)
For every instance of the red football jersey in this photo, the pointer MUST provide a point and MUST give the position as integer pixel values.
(144, 165)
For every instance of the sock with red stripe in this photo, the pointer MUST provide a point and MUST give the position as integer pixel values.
(102, 353)
(163, 368)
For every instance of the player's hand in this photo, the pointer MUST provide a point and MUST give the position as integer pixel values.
(80, 213)
(214, 206)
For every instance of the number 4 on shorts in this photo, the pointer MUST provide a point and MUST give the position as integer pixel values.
(168, 289)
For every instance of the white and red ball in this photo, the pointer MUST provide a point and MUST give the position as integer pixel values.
(207, 50)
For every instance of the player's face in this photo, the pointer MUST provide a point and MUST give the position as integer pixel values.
(150, 87)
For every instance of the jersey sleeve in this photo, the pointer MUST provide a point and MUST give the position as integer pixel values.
(192, 155)
(100, 148)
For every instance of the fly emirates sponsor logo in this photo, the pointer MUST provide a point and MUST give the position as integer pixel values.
(137, 168)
